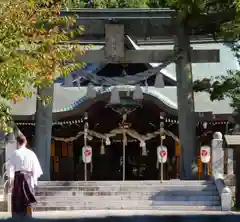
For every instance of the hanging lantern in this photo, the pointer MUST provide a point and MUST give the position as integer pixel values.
(91, 92)
(159, 82)
(205, 124)
(102, 149)
(115, 98)
(138, 94)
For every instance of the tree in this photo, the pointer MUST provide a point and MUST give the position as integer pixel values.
(32, 49)
(107, 3)
(226, 86)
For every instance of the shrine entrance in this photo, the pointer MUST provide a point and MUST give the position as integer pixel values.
(109, 166)
(124, 143)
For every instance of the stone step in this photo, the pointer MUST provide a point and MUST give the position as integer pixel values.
(123, 183)
(126, 188)
(141, 195)
(103, 203)
(161, 208)
(127, 193)
(126, 198)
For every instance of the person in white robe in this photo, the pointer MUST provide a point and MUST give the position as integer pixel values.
(23, 170)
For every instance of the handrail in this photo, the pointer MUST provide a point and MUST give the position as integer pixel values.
(3, 167)
(4, 171)
(224, 192)
(3, 177)
(4, 186)
(6, 190)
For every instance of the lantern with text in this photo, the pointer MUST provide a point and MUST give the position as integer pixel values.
(87, 154)
(162, 154)
(205, 154)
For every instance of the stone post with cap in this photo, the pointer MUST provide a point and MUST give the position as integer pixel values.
(217, 154)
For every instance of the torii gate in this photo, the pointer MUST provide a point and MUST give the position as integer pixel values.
(114, 25)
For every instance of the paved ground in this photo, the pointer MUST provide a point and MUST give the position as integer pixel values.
(104, 213)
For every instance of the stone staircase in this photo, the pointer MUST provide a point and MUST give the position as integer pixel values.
(120, 195)
(3, 199)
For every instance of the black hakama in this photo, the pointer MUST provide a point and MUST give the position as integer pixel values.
(22, 194)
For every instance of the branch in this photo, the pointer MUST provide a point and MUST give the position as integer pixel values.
(217, 18)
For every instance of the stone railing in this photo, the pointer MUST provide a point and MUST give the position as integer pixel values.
(224, 192)
(6, 191)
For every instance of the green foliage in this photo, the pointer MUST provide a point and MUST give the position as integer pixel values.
(32, 50)
(107, 3)
(224, 86)
(186, 6)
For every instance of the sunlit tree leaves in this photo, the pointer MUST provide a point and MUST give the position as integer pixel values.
(33, 52)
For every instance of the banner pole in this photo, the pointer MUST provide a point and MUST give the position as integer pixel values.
(124, 155)
(161, 163)
(161, 140)
(85, 144)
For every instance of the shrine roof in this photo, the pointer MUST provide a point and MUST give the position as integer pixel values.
(232, 141)
(69, 98)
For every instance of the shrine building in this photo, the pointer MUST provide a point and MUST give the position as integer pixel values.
(71, 104)
(124, 120)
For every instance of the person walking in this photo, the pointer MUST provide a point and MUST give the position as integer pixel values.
(23, 170)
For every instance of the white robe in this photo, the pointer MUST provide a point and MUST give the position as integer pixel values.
(24, 159)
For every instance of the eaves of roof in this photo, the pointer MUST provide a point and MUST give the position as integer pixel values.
(69, 98)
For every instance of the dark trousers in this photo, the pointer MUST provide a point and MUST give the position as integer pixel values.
(18, 209)
(22, 195)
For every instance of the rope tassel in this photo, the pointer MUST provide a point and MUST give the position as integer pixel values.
(102, 149)
(144, 149)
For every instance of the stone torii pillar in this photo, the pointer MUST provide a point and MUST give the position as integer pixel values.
(43, 131)
(186, 112)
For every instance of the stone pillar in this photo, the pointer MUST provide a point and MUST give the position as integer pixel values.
(186, 112)
(237, 176)
(3, 150)
(43, 131)
(217, 154)
(230, 162)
